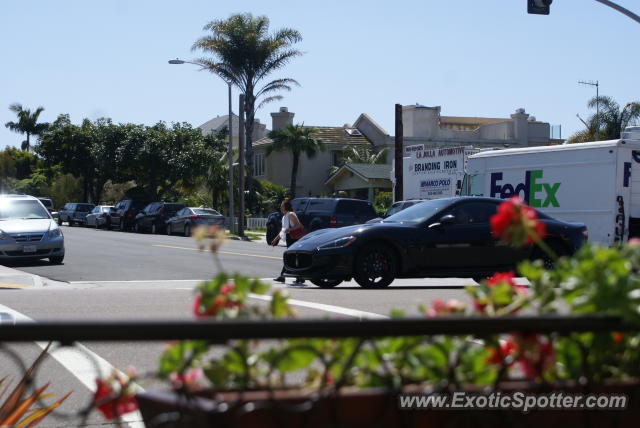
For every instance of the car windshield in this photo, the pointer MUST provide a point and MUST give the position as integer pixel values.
(205, 211)
(22, 209)
(419, 212)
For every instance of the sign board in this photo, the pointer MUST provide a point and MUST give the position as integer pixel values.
(434, 173)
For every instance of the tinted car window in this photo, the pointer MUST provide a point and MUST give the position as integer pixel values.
(420, 212)
(321, 205)
(47, 203)
(204, 211)
(474, 212)
(397, 207)
(299, 204)
(138, 205)
(170, 209)
(84, 208)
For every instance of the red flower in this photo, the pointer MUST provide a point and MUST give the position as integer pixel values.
(516, 223)
(497, 356)
(500, 277)
(227, 288)
(617, 337)
(111, 403)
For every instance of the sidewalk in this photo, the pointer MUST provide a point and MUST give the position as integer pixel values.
(13, 278)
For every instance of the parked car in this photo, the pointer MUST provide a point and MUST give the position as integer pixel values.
(27, 230)
(99, 217)
(320, 213)
(188, 218)
(153, 218)
(75, 213)
(123, 214)
(395, 208)
(48, 204)
(449, 237)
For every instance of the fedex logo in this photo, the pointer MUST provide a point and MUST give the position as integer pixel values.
(531, 191)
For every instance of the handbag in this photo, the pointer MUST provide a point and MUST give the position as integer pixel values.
(298, 233)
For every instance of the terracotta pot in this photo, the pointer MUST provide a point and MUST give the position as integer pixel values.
(370, 408)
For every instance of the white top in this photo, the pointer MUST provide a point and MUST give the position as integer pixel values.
(286, 224)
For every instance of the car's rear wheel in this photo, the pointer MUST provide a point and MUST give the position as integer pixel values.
(169, 229)
(154, 230)
(56, 260)
(375, 266)
(187, 230)
(137, 228)
(547, 261)
(326, 283)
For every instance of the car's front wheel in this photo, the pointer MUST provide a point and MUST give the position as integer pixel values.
(375, 266)
(56, 260)
(154, 229)
(326, 283)
(187, 230)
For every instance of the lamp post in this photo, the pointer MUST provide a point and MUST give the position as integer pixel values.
(229, 149)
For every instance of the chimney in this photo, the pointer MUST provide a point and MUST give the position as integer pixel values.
(281, 119)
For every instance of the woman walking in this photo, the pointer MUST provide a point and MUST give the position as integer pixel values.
(291, 227)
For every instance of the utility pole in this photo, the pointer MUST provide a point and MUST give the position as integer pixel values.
(398, 193)
(241, 167)
(597, 85)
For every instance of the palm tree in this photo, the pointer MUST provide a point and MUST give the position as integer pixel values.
(244, 53)
(360, 154)
(27, 123)
(296, 139)
(609, 123)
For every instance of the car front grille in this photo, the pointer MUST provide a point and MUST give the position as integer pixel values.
(297, 260)
(22, 253)
(27, 237)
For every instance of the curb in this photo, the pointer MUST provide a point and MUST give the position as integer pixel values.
(16, 279)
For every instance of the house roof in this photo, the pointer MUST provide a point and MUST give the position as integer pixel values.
(363, 170)
(218, 123)
(329, 135)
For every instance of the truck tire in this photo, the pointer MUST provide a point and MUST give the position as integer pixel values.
(272, 232)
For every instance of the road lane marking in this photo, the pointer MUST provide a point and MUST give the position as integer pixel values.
(10, 285)
(136, 280)
(81, 367)
(324, 307)
(219, 252)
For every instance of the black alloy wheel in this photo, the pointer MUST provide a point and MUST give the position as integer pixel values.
(169, 229)
(375, 266)
(547, 261)
(187, 230)
(137, 228)
(56, 260)
(326, 283)
(153, 229)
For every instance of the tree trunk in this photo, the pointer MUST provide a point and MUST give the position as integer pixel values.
(294, 173)
(248, 126)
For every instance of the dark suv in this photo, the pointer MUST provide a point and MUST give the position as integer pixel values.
(123, 214)
(75, 213)
(320, 213)
(154, 216)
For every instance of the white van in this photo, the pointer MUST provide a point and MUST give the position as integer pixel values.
(594, 183)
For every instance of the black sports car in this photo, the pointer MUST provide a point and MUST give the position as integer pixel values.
(448, 237)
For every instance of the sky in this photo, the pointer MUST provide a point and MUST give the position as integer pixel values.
(92, 59)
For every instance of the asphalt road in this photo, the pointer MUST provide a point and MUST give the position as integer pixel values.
(112, 275)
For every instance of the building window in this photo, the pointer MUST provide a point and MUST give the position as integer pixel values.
(258, 164)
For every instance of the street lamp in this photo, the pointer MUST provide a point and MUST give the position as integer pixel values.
(230, 148)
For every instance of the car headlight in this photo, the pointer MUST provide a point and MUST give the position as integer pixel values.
(5, 236)
(54, 233)
(343, 242)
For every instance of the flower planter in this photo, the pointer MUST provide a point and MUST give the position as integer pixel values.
(370, 408)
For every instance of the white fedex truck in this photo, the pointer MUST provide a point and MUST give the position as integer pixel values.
(432, 173)
(594, 183)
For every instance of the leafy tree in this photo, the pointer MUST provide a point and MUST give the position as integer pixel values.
(27, 123)
(7, 170)
(609, 123)
(26, 163)
(244, 53)
(297, 139)
(65, 188)
(360, 154)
